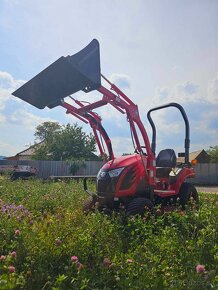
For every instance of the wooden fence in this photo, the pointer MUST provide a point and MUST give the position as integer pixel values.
(206, 173)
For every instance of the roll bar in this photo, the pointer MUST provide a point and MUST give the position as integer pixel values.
(187, 128)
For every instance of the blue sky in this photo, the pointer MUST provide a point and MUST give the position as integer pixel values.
(158, 52)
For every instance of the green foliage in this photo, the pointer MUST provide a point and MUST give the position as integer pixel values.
(67, 142)
(43, 223)
(213, 153)
(45, 130)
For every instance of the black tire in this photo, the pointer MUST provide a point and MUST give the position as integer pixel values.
(187, 193)
(141, 206)
(89, 204)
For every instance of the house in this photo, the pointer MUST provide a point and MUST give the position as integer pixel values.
(200, 156)
(26, 154)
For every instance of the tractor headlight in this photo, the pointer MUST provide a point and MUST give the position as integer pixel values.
(115, 172)
(101, 174)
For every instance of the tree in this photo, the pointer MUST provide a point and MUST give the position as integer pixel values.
(46, 129)
(66, 142)
(213, 153)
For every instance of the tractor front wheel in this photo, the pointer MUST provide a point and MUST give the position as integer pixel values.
(140, 206)
(187, 193)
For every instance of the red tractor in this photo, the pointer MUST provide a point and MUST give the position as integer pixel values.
(134, 182)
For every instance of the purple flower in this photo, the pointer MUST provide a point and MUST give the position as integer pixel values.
(79, 266)
(13, 254)
(107, 263)
(11, 269)
(2, 258)
(17, 232)
(74, 259)
(4, 208)
(58, 242)
(200, 268)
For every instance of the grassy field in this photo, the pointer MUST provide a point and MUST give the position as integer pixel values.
(46, 242)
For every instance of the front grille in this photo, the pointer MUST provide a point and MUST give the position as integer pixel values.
(104, 185)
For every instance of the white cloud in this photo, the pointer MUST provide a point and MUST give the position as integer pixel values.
(121, 80)
(2, 118)
(122, 145)
(7, 149)
(213, 90)
(4, 96)
(7, 85)
(187, 92)
(188, 88)
(205, 125)
(27, 119)
(7, 81)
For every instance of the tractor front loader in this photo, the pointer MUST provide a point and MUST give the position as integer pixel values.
(134, 182)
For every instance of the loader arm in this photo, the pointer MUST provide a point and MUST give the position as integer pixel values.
(94, 121)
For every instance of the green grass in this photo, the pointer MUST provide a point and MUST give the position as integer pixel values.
(113, 252)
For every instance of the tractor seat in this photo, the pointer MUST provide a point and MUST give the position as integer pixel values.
(165, 161)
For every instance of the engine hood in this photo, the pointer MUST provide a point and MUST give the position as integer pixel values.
(122, 161)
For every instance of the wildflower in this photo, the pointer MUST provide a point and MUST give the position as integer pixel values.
(17, 232)
(11, 269)
(2, 258)
(74, 259)
(129, 261)
(79, 266)
(13, 254)
(29, 273)
(200, 268)
(58, 242)
(4, 209)
(107, 263)
(31, 222)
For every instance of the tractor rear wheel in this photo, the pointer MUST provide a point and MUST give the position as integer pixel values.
(141, 206)
(187, 193)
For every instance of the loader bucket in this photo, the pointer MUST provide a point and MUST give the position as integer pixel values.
(65, 76)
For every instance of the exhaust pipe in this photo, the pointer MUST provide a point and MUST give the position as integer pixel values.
(64, 77)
